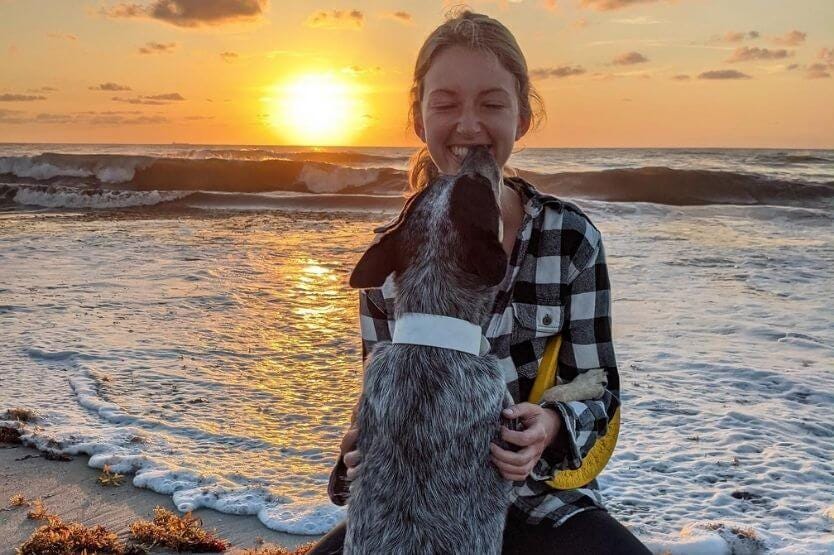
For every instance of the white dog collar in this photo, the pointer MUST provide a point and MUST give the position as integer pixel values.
(445, 332)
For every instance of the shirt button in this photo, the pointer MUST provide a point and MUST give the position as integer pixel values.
(547, 320)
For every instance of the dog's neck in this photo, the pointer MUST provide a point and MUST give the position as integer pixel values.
(444, 332)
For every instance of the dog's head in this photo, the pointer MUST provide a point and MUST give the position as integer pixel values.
(450, 229)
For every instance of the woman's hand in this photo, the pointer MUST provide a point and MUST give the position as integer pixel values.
(540, 427)
(350, 454)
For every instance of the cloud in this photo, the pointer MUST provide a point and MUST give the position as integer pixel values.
(580, 23)
(151, 100)
(158, 48)
(191, 13)
(827, 56)
(642, 20)
(66, 36)
(82, 118)
(336, 19)
(681, 77)
(42, 89)
(168, 96)
(557, 72)
(793, 38)
(229, 56)
(731, 37)
(610, 5)
(629, 58)
(400, 16)
(110, 87)
(818, 71)
(10, 97)
(723, 74)
(360, 70)
(746, 54)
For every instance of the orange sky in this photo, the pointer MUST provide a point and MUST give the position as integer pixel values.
(619, 73)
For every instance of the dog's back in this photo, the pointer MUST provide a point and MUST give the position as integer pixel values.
(427, 417)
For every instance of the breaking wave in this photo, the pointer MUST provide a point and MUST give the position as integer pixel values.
(106, 181)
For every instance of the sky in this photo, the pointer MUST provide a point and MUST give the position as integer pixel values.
(612, 73)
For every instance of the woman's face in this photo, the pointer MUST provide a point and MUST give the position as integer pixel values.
(468, 99)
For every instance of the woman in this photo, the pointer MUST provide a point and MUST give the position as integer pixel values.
(471, 87)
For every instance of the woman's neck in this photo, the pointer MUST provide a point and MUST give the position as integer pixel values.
(512, 213)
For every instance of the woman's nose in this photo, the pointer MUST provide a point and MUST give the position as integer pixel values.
(469, 122)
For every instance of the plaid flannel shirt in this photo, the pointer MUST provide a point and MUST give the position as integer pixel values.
(556, 283)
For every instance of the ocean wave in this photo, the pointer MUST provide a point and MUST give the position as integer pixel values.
(58, 196)
(117, 181)
(259, 154)
(663, 185)
(147, 173)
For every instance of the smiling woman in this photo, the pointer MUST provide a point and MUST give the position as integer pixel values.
(316, 109)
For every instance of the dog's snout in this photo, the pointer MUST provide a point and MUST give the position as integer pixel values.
(479, 161)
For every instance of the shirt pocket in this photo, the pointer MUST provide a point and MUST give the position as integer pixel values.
(537, 320)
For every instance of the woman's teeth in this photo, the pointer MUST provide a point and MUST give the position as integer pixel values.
(460, 152)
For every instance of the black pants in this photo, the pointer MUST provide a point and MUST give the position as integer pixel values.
(587, 533)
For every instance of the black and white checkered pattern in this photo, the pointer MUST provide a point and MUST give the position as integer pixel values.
(556, 283)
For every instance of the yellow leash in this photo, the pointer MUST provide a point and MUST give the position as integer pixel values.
(601, 452)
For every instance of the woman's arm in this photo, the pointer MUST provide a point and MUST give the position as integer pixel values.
(586, 344)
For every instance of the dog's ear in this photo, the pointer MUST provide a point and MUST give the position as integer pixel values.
(386, 254)
(475, 215)
(377, 263)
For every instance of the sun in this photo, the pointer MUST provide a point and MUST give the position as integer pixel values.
(317, 109)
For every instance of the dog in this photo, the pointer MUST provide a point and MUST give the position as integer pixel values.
(432, 398)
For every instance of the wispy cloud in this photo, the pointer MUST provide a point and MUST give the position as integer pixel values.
(747, 53)
(63, 36)
(681, 77)
(723, 74)
(400, 17)
(336, 19)
(191, 13)
(818, 71)
(158, 48)
(229, 56)
(731, 37)
(641, 20)
(558, 72)
(151, 100)
(792, 38)
(610, 5)
(110, 87)
(42, 90)
(11, 97)
(361, 70)
(629, 58)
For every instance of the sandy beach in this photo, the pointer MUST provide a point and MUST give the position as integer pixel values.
(70, 491)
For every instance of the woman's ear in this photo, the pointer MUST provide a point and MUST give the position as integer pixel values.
(523, 126)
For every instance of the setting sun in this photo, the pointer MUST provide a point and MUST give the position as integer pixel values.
(316, 109)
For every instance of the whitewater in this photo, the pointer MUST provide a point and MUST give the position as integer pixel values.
(192, 325)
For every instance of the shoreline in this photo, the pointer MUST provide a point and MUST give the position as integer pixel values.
(69, 490)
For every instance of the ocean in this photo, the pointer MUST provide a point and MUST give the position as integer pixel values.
(181, 312)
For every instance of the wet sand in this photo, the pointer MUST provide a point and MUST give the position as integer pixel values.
(70, 491)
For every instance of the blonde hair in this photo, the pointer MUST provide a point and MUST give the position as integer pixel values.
(473, 30)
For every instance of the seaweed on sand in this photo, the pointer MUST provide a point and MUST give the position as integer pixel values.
(58, 537)
(21, 415)
(110, 478)
(278, 550)
(183, 533)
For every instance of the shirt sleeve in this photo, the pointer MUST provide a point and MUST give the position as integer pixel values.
(586, 344)
(373, 327)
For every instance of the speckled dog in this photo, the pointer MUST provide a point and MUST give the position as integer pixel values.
(427, 413)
